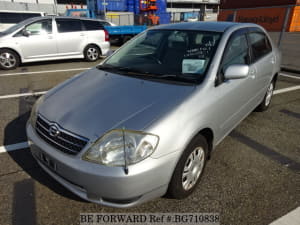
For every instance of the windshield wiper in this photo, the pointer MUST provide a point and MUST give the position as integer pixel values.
(127, 70)
(147, 74)
(179, 76)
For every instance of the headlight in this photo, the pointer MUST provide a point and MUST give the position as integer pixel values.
(34, 110)
(117, 146)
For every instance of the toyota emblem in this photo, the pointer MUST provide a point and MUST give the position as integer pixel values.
(54, 131)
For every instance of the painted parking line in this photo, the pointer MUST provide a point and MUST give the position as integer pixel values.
(13, 147)
(292, 218)
(43, 71)
(283, 90)
(290, 76)
(22, 95)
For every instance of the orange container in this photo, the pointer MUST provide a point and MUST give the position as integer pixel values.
(295, 19)
(272, 19)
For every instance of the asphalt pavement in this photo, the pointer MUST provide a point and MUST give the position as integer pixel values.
(253, 176)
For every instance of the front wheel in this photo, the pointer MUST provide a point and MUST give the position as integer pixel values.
(189, 169)
(8, 59)
(91, 53)
(264, 105)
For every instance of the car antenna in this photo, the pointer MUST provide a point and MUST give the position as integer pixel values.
(125, 155)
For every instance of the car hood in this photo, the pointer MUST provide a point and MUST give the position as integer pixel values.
(96, 101)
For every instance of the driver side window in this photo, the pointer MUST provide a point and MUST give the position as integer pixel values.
(40, 27)
(236, 52)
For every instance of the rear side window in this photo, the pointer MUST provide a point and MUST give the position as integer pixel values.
(260, 45)
(68, 25)
(92, 25)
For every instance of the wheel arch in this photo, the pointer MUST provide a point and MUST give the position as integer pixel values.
(275, 77)
(208, 134)
(89, 44)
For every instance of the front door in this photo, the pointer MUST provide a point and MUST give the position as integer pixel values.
(233, 97)
(40, 42)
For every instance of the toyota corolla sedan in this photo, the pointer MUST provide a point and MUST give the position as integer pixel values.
(144, 122)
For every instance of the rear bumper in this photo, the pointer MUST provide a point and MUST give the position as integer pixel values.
(105, 185)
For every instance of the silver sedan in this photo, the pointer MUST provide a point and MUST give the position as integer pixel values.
(145, 121)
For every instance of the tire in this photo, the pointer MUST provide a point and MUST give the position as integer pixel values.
(189, 169)
(91, 53)
(264, 105)
(9, 59)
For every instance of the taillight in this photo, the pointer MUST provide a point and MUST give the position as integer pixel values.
(106, 35)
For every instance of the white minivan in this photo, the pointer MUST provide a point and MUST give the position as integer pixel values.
(8, 18)
(52, 38)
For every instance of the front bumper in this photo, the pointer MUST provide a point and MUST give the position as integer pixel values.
(101, 184)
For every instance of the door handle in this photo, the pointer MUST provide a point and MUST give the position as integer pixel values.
(82, 35)
(50, 37)
(273, 60)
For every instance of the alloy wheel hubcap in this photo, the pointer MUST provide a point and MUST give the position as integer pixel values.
(193, 168)
(269, 94)
(7, 60)
(92, 53)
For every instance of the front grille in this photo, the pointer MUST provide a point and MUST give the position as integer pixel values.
(63, 140)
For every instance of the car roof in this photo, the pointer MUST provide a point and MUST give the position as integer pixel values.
(63, 17)
(203, 26)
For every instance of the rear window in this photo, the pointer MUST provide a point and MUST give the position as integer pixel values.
(92, 25)
(68, 25)
(12, 18)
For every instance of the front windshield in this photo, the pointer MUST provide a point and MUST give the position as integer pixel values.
(168, 54)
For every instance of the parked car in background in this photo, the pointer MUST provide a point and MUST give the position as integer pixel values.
(52, 38)
(145, 121)
(9, 18)
(107, 23)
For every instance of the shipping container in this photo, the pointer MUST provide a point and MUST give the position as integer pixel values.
(112, 5)
(272, 19)
(236, 4)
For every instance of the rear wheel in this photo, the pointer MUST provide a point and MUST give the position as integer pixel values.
(8, 59)
(264, 105)
(189, 169)
(91, 53)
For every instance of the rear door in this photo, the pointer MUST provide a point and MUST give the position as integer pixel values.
(262, 61)
(94, 31)
(40, 43)
(70, 36)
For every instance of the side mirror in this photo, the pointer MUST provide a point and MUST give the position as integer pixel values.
(26, 33)
(237, 71)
